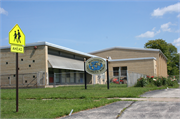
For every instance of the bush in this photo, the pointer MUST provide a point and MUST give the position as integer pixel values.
(156, 81)
(141, 82)
(172, 82)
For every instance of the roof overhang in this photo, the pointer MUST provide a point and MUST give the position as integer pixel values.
(133, 59)
(58, 47)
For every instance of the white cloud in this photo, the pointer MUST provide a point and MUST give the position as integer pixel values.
(178, 15)
(158, 31)
(148, 34)
(154, 28)
(165, 27)
(177, 42)
(2, 11)
(170, 8)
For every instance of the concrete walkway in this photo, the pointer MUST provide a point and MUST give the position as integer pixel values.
(158, 104)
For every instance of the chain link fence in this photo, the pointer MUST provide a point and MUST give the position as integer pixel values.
(24, 80)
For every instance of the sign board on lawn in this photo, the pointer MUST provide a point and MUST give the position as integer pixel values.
(95, 65)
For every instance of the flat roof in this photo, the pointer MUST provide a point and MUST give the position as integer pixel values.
(128, 48)
(54, 46)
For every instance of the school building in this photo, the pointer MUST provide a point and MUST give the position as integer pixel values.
(44, 64)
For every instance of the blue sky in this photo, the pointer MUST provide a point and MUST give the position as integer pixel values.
(92, 25)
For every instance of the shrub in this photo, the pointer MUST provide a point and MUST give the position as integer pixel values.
(141, 82)
(150, 79)
(157, 81)
(172, 82)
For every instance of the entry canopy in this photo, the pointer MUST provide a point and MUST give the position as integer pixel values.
(65, 63)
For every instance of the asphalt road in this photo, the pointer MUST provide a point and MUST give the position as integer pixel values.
(160, 109)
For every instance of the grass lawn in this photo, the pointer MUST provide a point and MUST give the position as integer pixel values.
(65, 98)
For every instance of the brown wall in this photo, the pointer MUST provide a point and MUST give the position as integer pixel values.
(162, 66)
(29, 55)
(128, 53)
(139, 66)
(125, 53)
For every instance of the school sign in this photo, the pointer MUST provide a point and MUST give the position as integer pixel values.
(17, 39)
(95, 65)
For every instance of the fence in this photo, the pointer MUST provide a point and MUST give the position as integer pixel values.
(123, 77)
(118, 77)
(67, 78)
(132, 78)
(24, 80)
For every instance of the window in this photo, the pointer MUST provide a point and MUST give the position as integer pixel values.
(116, 71)
(21, 59)
(25, 81)
(29, 65)
(123, 71)
(53, 52)
(79, 57)
(6, 62)
(33, 60)
(67, 55)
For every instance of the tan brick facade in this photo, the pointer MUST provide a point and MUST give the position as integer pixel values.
(26, 59)
(30, 63)
(160, 66)
(138, 66)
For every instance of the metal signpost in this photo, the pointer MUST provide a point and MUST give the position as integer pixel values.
(17, 42)
(97, 66)
(85, 73)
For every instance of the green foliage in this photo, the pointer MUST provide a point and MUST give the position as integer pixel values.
(170, 51)
(141, 82)
(157, 81)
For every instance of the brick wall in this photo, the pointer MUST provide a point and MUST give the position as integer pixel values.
(161, 64)
(32, 61)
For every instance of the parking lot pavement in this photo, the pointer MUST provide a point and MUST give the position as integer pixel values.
(163, 93)
(159, 104)
(152, 110)
(106, 112)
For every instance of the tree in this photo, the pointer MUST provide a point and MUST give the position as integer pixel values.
(170, 51)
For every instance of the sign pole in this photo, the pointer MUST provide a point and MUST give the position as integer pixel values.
(17, 42)
(85, 72)
(107, 75)
(16, 82)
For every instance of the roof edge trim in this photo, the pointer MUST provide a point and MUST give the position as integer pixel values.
(132, 59)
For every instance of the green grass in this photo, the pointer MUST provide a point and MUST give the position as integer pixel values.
(48, 108)
(76, 92)
(65, 98)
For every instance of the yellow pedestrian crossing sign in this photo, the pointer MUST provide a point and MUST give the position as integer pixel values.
(16, 36)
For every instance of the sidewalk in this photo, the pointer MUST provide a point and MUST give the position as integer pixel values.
(158, 104)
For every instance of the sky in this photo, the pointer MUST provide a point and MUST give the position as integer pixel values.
(91, 25)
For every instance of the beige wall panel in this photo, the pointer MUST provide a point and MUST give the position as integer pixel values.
(140, 66)
(161, 63)
(29, 55)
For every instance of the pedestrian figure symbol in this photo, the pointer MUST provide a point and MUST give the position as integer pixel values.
(15, 36)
